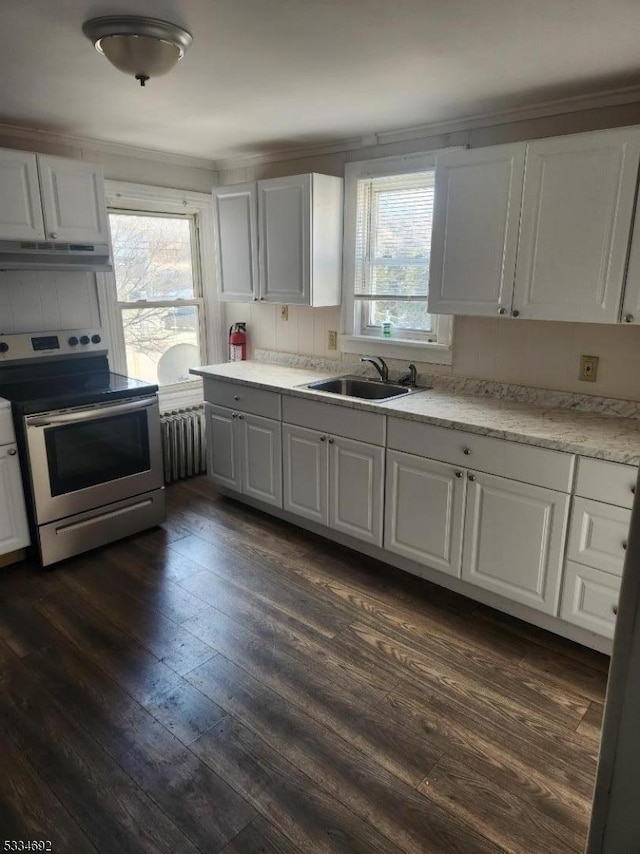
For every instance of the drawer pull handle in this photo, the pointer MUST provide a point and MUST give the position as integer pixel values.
(236, 397)
(323, 438)
(331, 441)
(615, 610)
(515, 313)
(628, 318)
(466, 452)
(633, 490)
(12, 452)
(502, 311)
(624, 546)
(241, 417)
(472, 477)
(234, 414)
(458, 474)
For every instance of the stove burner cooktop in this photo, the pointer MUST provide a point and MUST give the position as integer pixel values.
(66, 383)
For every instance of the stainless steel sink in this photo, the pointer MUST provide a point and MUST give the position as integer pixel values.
(365, 389)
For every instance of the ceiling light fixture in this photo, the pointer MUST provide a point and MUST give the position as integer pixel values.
(144, 47)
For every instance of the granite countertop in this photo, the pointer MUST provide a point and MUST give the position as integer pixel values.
(605, 437)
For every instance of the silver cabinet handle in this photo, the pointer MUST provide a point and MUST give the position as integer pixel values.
(54, 235)
(472, 477)
(458, 474)
(466, 452)
(502, 311)
(331, 441)
(12, 452)
(236, 397)
(633, 490)
(241, 417)
(628, 318)
(615, 610)
(624, 545)
(515, 313)
(234, 414)
(323, 438)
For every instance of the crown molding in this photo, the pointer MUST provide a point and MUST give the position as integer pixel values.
(32, 136)
(543, 109)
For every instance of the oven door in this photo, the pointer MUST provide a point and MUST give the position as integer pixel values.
(93, 456)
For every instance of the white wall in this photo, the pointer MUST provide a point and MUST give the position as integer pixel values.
(33, 302)
(536, 353)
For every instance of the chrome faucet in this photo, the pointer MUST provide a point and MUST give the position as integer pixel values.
(410, 378)
(380, 365)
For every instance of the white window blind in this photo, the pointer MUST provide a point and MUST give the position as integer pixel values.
(393, 237)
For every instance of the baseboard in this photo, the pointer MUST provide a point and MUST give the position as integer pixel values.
(12, 557)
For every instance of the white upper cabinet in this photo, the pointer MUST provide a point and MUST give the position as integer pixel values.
(235, 223)
(475, 230)
(73, 200)
(284, 226)
(51, 198)
(280, 240)
(20, 208)
(577, 208)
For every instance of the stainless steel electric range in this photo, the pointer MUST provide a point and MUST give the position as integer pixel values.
(89, 442)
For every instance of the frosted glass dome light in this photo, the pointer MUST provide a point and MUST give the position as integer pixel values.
(142, 47)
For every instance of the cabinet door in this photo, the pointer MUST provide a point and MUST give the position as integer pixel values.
(73, 200)
(235, 224)
(424, 511)
(514, 540)
(20, 207)
(14, 532)
(261, 466)
(305, 462)
(284, 229)
(356, 489)
(590, 598)
(475, 230)
(223, 453)
(577, 208)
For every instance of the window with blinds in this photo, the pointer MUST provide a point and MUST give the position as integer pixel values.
(394, 216)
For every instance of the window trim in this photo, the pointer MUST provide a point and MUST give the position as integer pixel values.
(353, 339)
(145, 199)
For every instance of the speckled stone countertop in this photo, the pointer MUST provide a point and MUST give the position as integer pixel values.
(605, 437)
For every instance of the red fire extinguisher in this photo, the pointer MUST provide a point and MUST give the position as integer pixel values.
(238, 342)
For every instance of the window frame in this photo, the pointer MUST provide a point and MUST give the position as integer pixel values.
(433, 346)
(141, 199)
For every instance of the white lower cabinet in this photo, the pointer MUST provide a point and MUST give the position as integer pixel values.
(305, 461)
(514, 538)
(424, 511)
(245, 453)
(590, 598)
(14, 531)
(334, 481)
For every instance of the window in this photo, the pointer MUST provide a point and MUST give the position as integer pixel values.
(159, 294)
(389, 214)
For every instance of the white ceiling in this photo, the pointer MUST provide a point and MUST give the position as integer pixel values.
(268, 74)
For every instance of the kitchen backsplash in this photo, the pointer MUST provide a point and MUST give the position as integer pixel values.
(47, 301)
(527, 353)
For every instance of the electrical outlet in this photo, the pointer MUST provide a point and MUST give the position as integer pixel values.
(588, 368)
(284, 312)
(332, 342)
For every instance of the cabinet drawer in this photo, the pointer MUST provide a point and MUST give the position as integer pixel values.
(6, 426)
(590, 598)
(526, 463)
(614, 483)
(339, 420)
(257, 401)
(598, 535)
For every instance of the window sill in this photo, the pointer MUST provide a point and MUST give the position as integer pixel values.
(180, 396)
(397, 348)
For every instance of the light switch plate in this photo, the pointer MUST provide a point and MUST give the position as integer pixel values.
(588, 368)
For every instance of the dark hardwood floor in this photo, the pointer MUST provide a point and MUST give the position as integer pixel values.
(230, 683)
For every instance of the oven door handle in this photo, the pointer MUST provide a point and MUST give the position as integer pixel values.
(93, 415)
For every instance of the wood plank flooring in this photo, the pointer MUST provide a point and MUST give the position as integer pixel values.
(230, 683)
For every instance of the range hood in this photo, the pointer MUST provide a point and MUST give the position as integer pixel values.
(44, 255)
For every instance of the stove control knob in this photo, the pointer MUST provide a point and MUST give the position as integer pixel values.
(84, 339)
(96, 339)
(72, 341)
(3, 346)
